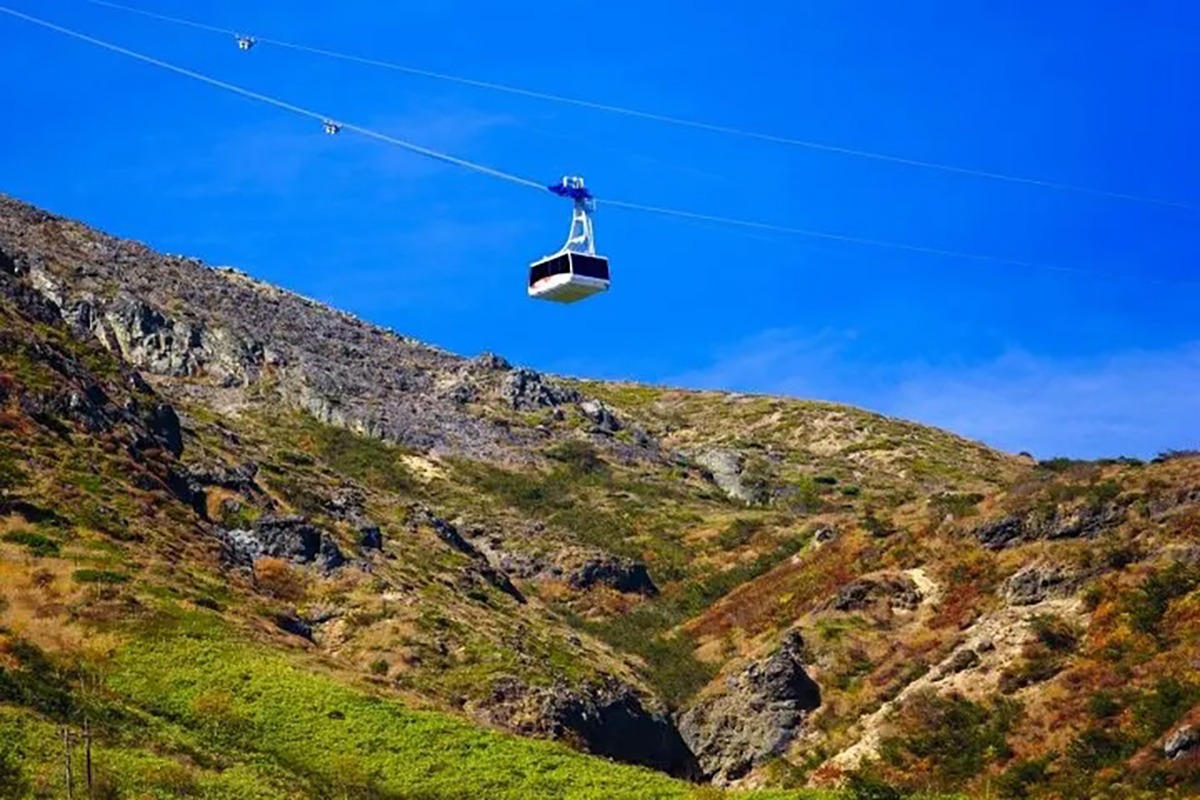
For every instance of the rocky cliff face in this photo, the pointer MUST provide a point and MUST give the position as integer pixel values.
(177, 318)
(754, 716)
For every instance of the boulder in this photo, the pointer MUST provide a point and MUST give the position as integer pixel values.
(607, 718)
(290, 538)
(163, 423)
(899, 591)
(370, 537)
(615, 572)
(755, 717)
(490, 361)
(1183, 741)
(726, 467)
(1060, 523)
(601, 416)
(1036, 582)
(526, 390)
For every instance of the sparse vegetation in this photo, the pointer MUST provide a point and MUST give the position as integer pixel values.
(37, 544)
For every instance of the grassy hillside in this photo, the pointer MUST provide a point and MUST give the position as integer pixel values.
(264, 549)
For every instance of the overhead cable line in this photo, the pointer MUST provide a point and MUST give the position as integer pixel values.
(262, 98)
(662, 118)
(516, 179)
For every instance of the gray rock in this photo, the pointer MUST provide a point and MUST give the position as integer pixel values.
(178, 318)
(290, 538)
(726, 466)
(490, 361)
(164, 424)
(1181, 742)
(600, 415)
(899, 591)
(480, 567)
(964, 659)
(823, 535)
(1036, 582)
(370, 537)
(526, 390)
(622, 574)
(607, 718)
(757, 715)
(1061, 523)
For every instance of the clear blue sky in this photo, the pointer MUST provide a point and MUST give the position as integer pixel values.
(1102, 362)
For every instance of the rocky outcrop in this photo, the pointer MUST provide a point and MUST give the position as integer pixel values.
(603, 419)
(756, 715)
(615, 572)
(899, 591)
(179, 319)
(291, 538)
(1036, 582)
(608, 719)
(1060, 523)
(1183, 741)
(480, 567)
(526, 390)
(726, 468)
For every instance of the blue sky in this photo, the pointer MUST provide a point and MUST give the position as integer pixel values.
(1101, 359)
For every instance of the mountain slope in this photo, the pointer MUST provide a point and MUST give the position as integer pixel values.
(201, 471)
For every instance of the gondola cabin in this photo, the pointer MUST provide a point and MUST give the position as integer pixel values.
(575, 272)
(568, 277)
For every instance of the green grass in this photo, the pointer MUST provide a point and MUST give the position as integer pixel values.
(99, 576)
(36, 543)
(345, 741)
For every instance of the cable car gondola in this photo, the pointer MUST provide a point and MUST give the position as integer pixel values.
(331, 127)
(575, 272)
(245, 42)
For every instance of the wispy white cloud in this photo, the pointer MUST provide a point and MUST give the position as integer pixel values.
(289, 154)
(1136, 402)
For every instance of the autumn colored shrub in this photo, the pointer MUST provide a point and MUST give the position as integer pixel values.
(279, 579)
(946, 741)
(1147, 606)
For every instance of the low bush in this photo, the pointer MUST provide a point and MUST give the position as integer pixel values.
(952, 739)
(37, 544)
(99, 576)
(1147, 606)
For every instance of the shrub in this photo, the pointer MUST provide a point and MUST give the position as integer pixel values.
(953, 737)
(739, 532)
(850, 491)
(12, 782)
(825, 480)
(1173, 455)
(1102, 705)
(1097, 748)
(379, 667)
(955, 505)
(37, 544)
(99, 576)
(1149, 604)
(579, 457)
(1019, 780)
(1055, 633)
(1157, 710)
(879, 528)
(865, 786)
(279, 579)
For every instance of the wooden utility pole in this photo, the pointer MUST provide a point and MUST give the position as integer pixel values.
(66, 737)
(87, 757)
